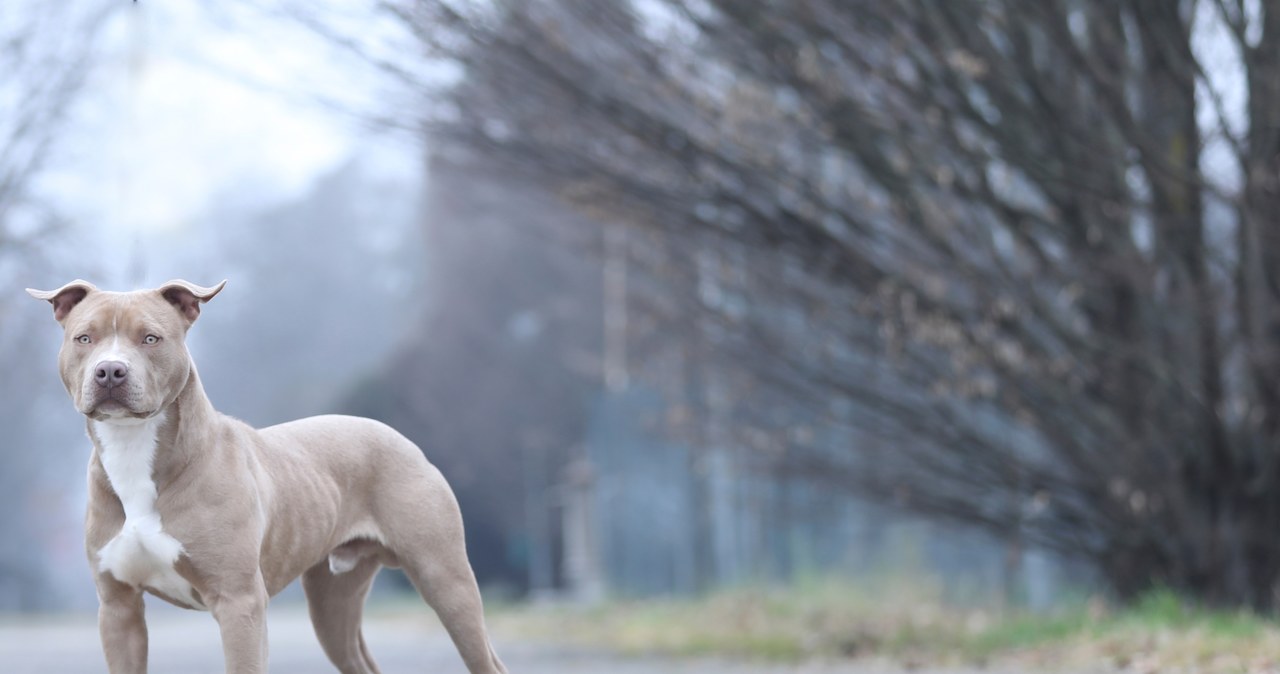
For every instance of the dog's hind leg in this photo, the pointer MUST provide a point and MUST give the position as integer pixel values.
(336, 603)
(445, 581)
(418, 521)
(433, 553)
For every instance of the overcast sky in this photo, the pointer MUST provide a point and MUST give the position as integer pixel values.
(193, 108)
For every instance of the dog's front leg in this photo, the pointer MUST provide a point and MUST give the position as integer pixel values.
(122, 626)
(241, 613)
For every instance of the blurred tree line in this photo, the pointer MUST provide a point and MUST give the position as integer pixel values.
(493, 379)
(47, 51)
(1001, 263)
(1004, 263)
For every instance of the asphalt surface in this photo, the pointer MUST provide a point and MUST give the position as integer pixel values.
(186, 642)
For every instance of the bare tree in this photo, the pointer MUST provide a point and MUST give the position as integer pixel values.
(1003, 262)
(47, 50)
(46, 54)
(495, 380)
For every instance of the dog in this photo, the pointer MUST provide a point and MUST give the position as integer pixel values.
(207, 513)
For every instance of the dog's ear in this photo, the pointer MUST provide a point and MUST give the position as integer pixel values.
(187, 297)
(64, 299)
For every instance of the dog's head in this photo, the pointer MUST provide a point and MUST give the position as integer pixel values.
(124, 355)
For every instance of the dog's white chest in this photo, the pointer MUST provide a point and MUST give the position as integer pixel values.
(142, 554)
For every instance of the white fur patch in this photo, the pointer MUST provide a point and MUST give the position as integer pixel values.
(342, 560)
(342, 563)
(142, 554)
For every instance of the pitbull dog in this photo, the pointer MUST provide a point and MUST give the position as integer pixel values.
(207, 513)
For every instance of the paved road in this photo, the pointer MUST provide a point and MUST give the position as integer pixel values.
(184, 642)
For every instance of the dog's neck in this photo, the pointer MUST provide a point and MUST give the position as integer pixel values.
(178, 433)
(191, 409)
(127, 451)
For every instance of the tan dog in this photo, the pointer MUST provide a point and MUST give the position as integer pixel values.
(207, 513)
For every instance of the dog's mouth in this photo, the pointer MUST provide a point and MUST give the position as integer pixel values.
(111, 410)
(111, 406)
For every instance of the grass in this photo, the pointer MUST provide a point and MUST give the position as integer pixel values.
(905, 621)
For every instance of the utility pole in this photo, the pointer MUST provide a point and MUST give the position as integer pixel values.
(616, 378)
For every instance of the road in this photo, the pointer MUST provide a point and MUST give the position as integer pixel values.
(184, 642)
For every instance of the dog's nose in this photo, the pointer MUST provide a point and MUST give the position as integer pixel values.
(111, 373)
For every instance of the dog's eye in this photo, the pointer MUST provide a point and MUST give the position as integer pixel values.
(83, 339)
(150, 339)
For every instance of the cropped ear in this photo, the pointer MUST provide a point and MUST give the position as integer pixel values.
(64, 299)
(187, 297)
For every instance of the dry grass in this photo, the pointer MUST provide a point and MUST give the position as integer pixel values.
(906, 622)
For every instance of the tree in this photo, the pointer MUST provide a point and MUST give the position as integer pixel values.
(47, 56)
(1009, 263)
(46, 53)
(494, 381)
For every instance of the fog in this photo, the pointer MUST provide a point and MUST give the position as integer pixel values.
(169, 165)
(666, 319)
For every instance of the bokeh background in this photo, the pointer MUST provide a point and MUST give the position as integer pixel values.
(690, 295)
